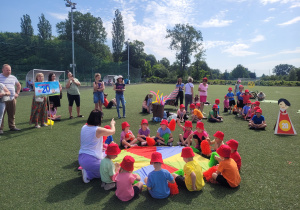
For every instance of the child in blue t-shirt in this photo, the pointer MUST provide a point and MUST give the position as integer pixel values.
(230, 96)
(162, 133)
(258, 121)
(157, 181)
(239, 99)
(245, 110)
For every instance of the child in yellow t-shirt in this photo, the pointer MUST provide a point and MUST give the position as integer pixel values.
(193, 176)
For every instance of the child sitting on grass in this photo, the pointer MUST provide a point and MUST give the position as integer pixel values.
(199, 135)
(181, 113)
(157, 180)
(193, 176)
(124, 180)
(108, 170)
(258, 121)
(109, 139)
(233, 144)
(187, 131)
(197, 114)
(164, 135)
(217, 102)
(230, 96)
(218, 141)
(227, 174)
(246, 109)
(127, 138)
(52, 113)
(192, 107)
(147, 104)
(213, 115)
(144, 132)
(226, 103)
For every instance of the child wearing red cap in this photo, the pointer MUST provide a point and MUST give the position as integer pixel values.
(239, 98)
(108, 170)
(245, 110)
(193, 176)
(199, 135)
(157, 180)
(230, 96)
(144, 132)
(226, 103)
(217, 102)
(124, 180)
(187, 131)
(233, 144)
(227, 173)
(181, 113)
(218, 141)
(258, 121)
(162, 133)
(127, 138)
(109, 139)
(192, 107)
(197, 114)
(246, 96)
(213, 115)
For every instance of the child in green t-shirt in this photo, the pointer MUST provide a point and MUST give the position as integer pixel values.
(213, 115)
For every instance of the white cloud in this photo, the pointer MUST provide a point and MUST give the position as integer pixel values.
(271, 9)
(59, 16)
(217, 21)
(213, 44)
(268, 19)
(293, 21)
(296, 4)
(238, 50)
(258, 38)
(295, 51)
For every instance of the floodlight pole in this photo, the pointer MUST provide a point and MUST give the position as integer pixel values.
(128, 58)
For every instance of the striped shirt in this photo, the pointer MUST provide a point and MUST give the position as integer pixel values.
(9, 83)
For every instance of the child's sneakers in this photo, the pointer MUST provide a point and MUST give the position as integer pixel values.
(109, 186)
(79, 168)
(84, 176)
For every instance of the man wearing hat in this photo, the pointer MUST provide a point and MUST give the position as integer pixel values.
(258, 121)
(193, 176)
(119, 87)
(227, 174)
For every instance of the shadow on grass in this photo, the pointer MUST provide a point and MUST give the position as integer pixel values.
(185, 196)
(96, 193)
(220, 192)
(15, 134)
(73, 165)
(67, 190)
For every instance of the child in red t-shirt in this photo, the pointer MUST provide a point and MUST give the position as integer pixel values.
(246, 96)
(233, 144)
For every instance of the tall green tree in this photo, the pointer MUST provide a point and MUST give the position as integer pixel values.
(44, 28)
(165, 61)
(240, 72)
(185, 39)
(118, 36)
(137, 55)
(293, 75)
(26, 27)
(152, 59)
(282, 69)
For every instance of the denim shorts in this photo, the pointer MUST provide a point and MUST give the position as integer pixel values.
(98, 96)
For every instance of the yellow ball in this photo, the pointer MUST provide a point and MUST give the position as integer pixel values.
(50, 122)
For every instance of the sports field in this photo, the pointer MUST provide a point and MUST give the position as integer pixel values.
(39, 166)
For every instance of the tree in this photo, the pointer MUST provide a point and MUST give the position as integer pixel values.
(136, 54)
(185, 39)
(44, 28)
(282, 69)
(118, 36)
(152, 59)
(146, 69)
(240, 72)
(164, 61)
(26, 27)
(160, 71)
(293, 75)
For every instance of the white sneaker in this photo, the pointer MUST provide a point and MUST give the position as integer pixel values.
(144, 143)
(109, 186)
(84, 176)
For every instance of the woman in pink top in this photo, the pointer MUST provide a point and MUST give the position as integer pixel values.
(203, 92)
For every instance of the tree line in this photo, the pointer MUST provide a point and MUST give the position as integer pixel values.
(25, 51)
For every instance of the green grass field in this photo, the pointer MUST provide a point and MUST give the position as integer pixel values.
(39, 166)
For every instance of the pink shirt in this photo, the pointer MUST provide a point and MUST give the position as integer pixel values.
(202, 87)
(124, 182)
(226, 103)
(200, 135)
(186, 133)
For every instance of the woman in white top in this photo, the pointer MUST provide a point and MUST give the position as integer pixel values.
(4, 96)
(91, 145)
(189, 92)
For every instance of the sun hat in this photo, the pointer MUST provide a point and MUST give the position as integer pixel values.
(217, 101)
(233, 144)
(127, 163)
(120, 76)
(124, 125)
(112, 149)
(187, 152)
(259, 111)
(204, 79)
(224, 151)
(248, 102)
(182, 106)
(257, 103)
(156, 157)
(225, 96)
(200, 125)
(164, 122)
(192, 106)
(246, 91)
(198, 104)
(219, 134)
(241, 86)
(230, 88)
(107, 127)
(256, 108)
(215, 106)
(188, 124)
(144, 121)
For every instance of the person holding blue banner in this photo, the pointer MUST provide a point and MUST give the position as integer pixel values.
(39, 106)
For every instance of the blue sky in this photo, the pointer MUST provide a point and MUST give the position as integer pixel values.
(259, 34)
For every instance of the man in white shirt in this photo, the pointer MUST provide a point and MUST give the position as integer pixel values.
(10, 83)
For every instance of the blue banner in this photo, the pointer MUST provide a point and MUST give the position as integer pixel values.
(43, 89)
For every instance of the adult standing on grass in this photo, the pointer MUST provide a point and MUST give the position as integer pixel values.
(4, 96)
(39, 107)
(119, 87)
(55, 99)
(203, 93)
(91, 145)
(10, 83)
(189, 92)
(73, 94)
(180, 87)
